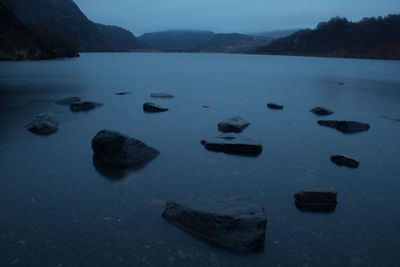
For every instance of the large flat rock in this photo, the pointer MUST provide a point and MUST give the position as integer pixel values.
(274, 106)
(234, 124)
(231, 222)
(84, 106)
(119, 151)
(347, 127)
(153, 108)
(316, 200)
(233, 144)
(161, 95)
(320, 111)
(341, 160)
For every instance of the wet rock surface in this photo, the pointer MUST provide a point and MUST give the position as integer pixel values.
(235, 124)
(274, 106)
(119, 151)
(161, 95)
(344, 161)
(232, 144)
(84, 106)
(320, 111)
(151, 107)
(347, 127)
(44, 124)
(231, 222)
(68, 101)
(317, 200)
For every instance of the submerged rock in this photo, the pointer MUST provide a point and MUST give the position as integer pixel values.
(234, 124)
(161, 95)
(318, 200)
(274, 106)
(44, 124)
(68, 101)
(347, 127)
(205, 106)
(394, 120)
(84, 106)
(344, 161)
(151, 107)
(119, 151)
(320, 111)
(123, 93)
(233, 223)
(233, 145)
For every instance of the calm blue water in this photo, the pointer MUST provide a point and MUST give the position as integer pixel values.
(56, 209)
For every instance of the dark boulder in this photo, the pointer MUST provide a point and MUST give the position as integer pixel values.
(119, 151)
(233, 223)
(44, 124)
(161, 95)
(151, 107)
(68, 101)
(320, 111)
(319, 200)
(274, 106)
(347, 127)
(84, 106)
(234, 124)
(344, 161)
(233, 145)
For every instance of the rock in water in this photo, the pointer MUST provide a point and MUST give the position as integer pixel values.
(235, 124)
(234, 223)
(320, 111)
(119, 151)
(44, 124)
(233, 145)
(161, 95)
(84, 106)
(347, 127)
(344, 161)
(319, 200)
(68, 101)
(151, 107)
(274, 106)
(123, 93)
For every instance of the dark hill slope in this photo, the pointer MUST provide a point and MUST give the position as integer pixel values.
(61, 21)
(373, 38)
(18, 42)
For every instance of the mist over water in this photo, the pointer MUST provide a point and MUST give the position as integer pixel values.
(57, 208)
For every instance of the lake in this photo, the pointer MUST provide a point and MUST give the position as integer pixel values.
(57, 209)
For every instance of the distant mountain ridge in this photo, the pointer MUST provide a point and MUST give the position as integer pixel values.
(371, 38)
(277, 34)
(61, 21)
(202, 41)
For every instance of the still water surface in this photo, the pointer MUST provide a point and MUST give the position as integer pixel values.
(56, 209)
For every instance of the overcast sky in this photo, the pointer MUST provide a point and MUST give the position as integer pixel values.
(245, 16)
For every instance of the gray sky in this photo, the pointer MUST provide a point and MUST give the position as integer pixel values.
(246, 16)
